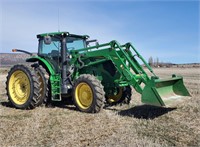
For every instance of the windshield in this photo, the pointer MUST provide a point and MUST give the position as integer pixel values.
(75, 43)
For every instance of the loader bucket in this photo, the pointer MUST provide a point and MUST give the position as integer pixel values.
(164, 92)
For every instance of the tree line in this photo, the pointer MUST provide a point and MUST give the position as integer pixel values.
(156, 62)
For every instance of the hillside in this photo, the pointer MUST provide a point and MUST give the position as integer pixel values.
(7, 59)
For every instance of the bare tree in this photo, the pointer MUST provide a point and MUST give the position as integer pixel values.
(150, 61)
(157, 62)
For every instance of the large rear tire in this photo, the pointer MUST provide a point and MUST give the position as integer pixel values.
(44, 80)
(88, 94)
(23, 87)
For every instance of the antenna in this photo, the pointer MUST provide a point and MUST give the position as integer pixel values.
(58, 20)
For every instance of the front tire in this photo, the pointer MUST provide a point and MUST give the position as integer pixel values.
(88, 94)
(23, 87)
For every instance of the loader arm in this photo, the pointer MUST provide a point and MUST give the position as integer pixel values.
(122, 59)
(155, 91)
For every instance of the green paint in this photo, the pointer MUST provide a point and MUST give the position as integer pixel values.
(44, 61)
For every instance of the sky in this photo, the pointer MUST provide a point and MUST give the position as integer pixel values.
(164, 29)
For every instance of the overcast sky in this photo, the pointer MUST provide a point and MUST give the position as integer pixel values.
(168, 30)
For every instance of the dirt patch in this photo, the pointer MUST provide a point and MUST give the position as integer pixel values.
(126, 125)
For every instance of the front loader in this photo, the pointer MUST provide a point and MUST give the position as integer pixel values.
(67, 67)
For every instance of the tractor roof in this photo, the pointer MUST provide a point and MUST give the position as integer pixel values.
(62, 33)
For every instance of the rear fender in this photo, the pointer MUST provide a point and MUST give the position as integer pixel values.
(47, 65)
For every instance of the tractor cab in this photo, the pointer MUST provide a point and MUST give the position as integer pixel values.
(51, 44)
(56, 47)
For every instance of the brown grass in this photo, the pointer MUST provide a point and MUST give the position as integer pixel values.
(133, 125)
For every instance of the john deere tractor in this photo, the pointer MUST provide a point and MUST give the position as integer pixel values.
(68, 67)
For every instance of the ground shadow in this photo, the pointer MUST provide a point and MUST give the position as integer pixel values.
(145, 111)
(7, 104)
(62, 104)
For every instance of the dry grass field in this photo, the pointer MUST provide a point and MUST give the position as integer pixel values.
(127, 125)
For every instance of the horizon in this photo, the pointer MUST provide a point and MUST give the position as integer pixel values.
(154, 59)
(168, 30)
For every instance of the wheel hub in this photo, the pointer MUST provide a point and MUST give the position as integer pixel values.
(84, 95)
(116, 96)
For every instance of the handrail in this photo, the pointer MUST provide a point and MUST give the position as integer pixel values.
(93, 47)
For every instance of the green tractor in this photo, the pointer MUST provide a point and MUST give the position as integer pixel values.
(68, 67)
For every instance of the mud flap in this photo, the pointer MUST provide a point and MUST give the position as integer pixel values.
(164, 92)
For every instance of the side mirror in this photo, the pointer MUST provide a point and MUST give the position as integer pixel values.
(47, 40)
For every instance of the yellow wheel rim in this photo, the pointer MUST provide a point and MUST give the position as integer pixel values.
(19, 87)
(83, 95)
(116, 97)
